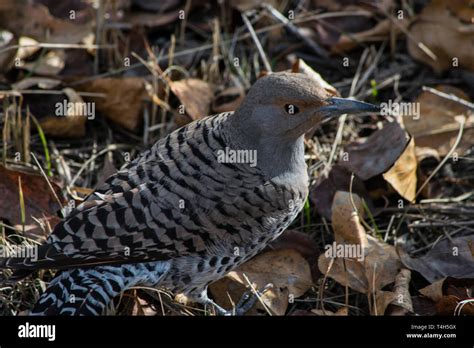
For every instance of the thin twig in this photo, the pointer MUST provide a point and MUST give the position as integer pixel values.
(449, 96)
(257, 43)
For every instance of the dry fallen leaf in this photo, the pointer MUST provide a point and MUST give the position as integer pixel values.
(34, 20)
(339, 179)
(71, 122)
(38, 199)
(402, 175)
(302, 243)
(123, 101)
(341, 312)
(446, 33)
(380, 32)
(402, 304)
(228, 100)
(447, 293)
(347, 210)
(373, 267)
(445, 259)
(378, 152)
(195, 95)
(286, 269)
(437, 128)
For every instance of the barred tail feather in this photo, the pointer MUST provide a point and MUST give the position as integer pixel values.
(90, 291)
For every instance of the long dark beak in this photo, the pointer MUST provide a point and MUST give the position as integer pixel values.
(339, 106)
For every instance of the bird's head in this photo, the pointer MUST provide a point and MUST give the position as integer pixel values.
(287, 105)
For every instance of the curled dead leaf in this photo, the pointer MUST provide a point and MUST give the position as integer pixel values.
(402, 175)
(347, 210)
(286, 269)
(375, 265)
(402, 304)
(195, 95)
(378, 152)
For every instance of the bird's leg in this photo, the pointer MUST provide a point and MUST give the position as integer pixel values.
(249, 298)
(246, 302)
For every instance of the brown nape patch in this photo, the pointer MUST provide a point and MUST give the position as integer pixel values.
(263, 73)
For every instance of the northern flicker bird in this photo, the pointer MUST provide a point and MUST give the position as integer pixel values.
(196, 205)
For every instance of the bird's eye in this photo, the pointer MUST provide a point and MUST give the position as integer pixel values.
(291, 109)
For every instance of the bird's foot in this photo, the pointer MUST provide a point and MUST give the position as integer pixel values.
(246, 302)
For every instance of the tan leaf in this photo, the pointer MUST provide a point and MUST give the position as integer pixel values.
(67, 125)
(382, 301)
(437, 127)
(342, 312)
(286, 269)
(446, 35)
(379, 268)
(402, 175)
(434, 291)
(347, 209)
(380, 32)
(124, 99)
(402, 304)
(196, 96)
(34, 20)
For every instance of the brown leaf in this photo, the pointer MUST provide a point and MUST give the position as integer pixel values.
(34, 20)
(124, 98)
(437, 127)
(228, 100)
(341, 312)
(379, 268)
(449, 306)
(378, 152)
(38, 198)
(67, 125)
(286, 269)
(347, 210)
(376, 263)
(302, 243)
(339, 179)
(380, 32)
(196, 96)
(434, 291)
(402, 175)
(402, 303)
(445, 33)
(446, 258)
(447, 293)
